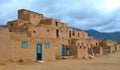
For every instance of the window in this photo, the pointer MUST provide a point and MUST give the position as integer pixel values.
(56, 23)
(10, 30)
(82, 44)
(69, 33)
(80, 47)
(57, 33)
(47, 45)
(96, 44)
(34, 31)
(24, 44)
(11, 24)
(47, 30)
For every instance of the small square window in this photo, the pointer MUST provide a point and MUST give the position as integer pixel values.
(24, 44)
(47, 30)
(11, 24)
(47, 45)
(34, 31)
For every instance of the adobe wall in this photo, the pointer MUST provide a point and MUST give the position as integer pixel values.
(109, 43)
(82, 52)
(26, 15)
(46, 22)
(117, 47)
(73, 50)
(23, 15)
(77, 34)
(95, 42)
(112, 48)
(58, 43)
(61, 29)
(73, 33)
(82, 49)
(101, 50)
(89, 44)
(42, 32)
(63, 33)
(84, 41)
(85, 35)
(102, 43)
(18, 26)
(5, 52)
(30, 53)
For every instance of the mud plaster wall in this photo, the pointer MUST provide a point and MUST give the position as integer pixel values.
(4, 44)
(30, 53)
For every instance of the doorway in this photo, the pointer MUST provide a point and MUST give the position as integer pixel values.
(67, 52)
(39, 52)
(57, 33)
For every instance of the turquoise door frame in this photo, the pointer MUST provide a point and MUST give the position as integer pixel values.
(39, 52)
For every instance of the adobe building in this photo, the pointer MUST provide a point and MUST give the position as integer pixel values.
(108, 46)
(89, 47)
(76, 45)
(117, 47)
(94, 48)
(28, 39)
(33, 37)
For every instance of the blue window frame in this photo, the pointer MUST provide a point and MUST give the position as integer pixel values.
(24, 44)
(47, 45)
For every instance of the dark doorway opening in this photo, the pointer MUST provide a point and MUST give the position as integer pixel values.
(69, 33)
(57, 33)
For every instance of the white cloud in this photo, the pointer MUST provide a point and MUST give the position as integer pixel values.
(85, 14)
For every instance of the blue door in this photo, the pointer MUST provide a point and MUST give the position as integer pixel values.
(94, 50)
(68, 52)
(63, 50)
(39, 52)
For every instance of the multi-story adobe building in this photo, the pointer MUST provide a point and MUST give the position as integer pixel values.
(33, 37)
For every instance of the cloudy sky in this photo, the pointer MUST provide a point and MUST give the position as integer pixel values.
(100, 15)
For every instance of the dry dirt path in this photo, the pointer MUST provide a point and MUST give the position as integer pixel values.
(109, 62)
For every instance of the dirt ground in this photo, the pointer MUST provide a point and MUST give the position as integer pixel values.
(108, 62)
